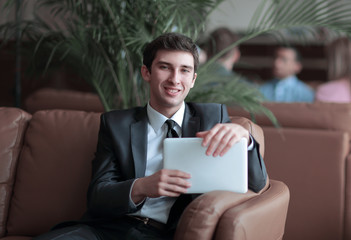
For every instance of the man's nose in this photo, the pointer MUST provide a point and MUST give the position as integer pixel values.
(174, 77)
(277, 63)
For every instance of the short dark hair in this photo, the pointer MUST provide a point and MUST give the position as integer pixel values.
(173, 42)
(298, 56)
(339, 58)
(220, 39)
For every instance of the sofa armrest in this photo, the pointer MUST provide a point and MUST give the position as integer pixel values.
(13, 122)
(262, 217)
(254, 129)
(222, 214)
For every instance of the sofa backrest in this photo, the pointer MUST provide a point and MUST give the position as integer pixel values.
(53, 171)
(50, 98)
(319, 115)
(13, 124)
(312, 163)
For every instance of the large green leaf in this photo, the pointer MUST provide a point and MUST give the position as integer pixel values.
(102, 40)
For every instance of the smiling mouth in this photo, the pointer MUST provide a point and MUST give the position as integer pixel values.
(172, 90)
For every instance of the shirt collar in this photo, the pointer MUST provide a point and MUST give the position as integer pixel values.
(157, 119)
(288, 80)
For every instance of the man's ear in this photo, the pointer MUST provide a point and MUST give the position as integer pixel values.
(236, 55)
(145, 73)
(298, 67)
(193, 82)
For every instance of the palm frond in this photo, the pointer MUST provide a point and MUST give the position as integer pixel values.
(102, 40)
(308, 14)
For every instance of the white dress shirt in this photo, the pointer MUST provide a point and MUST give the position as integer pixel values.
(158, 208)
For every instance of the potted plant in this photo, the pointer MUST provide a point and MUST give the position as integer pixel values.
(102, 40)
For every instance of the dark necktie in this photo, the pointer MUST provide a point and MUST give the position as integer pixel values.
(171, 133)
(184, 199)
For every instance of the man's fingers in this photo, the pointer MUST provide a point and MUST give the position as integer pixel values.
(208, 135)
(224, 145)
(229, 145)
(202, 134)
(173, 188)
(221, 138)
(176, 189)
(172, 182)
(175, 173)
(218, 140)
(179, 182)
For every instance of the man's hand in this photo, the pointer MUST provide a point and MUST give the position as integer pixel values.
(165, 182)
(222, 137)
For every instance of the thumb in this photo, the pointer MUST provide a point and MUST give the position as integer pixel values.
(201, 134)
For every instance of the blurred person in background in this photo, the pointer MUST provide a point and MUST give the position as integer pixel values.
(338, 88)
(285, 86)
(222, 69)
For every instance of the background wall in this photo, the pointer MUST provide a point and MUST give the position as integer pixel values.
(234, 14)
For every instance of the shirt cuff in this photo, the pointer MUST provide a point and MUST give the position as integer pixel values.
(251, 146)
(130, 196)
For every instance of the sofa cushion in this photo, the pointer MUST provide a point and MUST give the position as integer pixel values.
(13, 123)
(50, 98)
(54, 170)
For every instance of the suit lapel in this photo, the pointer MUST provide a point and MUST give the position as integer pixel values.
(191, 123)
(139, 142)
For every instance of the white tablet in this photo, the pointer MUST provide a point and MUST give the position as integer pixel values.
(208, 173)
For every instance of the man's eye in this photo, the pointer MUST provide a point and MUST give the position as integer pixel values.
(185, 70)
(163, 67)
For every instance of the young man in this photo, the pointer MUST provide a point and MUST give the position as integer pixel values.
(130, 196)
(286, 87)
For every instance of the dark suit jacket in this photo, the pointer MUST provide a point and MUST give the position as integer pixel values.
(121, 157)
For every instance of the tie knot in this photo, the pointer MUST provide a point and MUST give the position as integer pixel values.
(170, 123)
(171, 133)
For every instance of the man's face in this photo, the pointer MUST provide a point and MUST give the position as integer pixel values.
(172, 76)
(285, 63)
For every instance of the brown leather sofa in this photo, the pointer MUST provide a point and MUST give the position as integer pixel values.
(45, 166)
(51, 98)
(310, 152)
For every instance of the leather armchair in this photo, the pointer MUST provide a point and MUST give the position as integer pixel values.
(45, 161)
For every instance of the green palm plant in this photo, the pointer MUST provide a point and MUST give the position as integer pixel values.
(103, 40)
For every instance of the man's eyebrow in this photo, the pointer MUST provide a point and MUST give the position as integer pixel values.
(169, 64)
(187, 66)
(163, 63)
